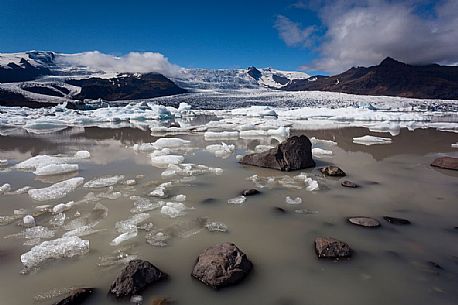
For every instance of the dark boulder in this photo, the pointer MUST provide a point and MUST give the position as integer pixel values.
(349, 184)
(364, 221)
(279, 210)
(222, 265)
(332, 171)
(76, 297)
(135, 277)
(446, 163)
(293, 154)
(328, 247)
(250, 192)
(396, 221)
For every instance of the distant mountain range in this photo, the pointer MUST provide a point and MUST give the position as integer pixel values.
(390, 77)
(37, 79)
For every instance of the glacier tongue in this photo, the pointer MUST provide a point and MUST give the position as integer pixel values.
(56, 191)
(65, 247)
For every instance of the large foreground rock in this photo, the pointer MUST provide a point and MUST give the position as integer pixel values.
(221, 265)
(446, 162)
(135, 277)
(328, 247)
(76, 297)
(292, 154)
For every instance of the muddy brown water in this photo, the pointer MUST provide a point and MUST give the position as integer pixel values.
(391, 265)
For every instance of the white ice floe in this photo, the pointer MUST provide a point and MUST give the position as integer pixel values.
(370, 140)
(124, 237)
(321, 141)
(262, 148)
(161, 190)
(169, 143)
(320, 153)
(222, 150)
(455, 145)
(21, 190)
(39, 161)
(82, 154)
(104, 181)
(237, 200)
(282, 132)
(5, 188)
(130, 224)
(216, 227)
(311, 185)
(255, 111)
(56, 169)
(142, 205)
(221, 135)
(28, 221)
(179, 198)
(56, 191)
(297, 200)
(62, 207)
(65, 247)
(173, 209)
(3, 162)
(164, 160)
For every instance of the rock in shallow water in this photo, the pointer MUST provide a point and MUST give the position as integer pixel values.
(446, 163)
(293, 154)
(250, 192)
(349, 184)
(397, 221)
(364, 222)
(77, 297)
(135, 277)
(221, 265)
(332, 171)
(328, 247)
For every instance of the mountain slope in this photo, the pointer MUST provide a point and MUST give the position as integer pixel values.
(390, 77)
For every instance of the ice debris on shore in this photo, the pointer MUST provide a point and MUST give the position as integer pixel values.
(64, 247)
(371, 140)
(56, 191)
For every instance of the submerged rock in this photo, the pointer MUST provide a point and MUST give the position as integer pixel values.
(293, 154)
(333, 171)
(279, 210)
(161, 301)
(135, 277)
(250, 192)
(446, 163)
(364, 222)
(349, 184)
(397, 221)
(221, 265)
(76, 297)
(328, 247)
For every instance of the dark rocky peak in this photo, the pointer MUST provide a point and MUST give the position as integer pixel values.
(254, 73)
(390, 62)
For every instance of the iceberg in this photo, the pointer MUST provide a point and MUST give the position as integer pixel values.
(65, 247)
(39, 161)
(104, 181)
(56, 169)
(165, 160)
(173, 209)
(370, 140)
(56, 191)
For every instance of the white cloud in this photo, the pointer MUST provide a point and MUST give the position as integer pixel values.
(292, 33)
(363, 32)
(142, 62)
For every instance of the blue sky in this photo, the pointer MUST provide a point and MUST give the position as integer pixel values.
(313, 35)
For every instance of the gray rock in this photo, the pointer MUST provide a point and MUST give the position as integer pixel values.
(332, 171)
(446, 163)
(293, 154)
(250, 192)
(349, 184)
(222, 265)
(328, 247)
(364, 221)
(135, 277)
(396, 221)
(76, 297)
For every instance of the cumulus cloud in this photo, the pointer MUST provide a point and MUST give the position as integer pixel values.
(364, 32)
(141, 62)
(292, 33)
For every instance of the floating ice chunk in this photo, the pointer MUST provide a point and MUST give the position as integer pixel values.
(221, 150)
(82, 154)
(248, 134)
(237, 200)
(245, 127)
(57, 190)
(216, 227)
(5, 188)
(161, 152)
(57, 220)
(370, 140)
(104, 181)
(3, 162)
(455, 145)
(21, 190)
(82, 231)
(320, 141)
(290, 200)
(312, 185)
(180, 198)
(124, 237)
(65, 247)
(160, 191)
(165, 160)
(320, 153)
(173, 209)
(131, 182)
(29, 221)
(143, 205)
(56, 169)
(131, 223)
(282, 132)
(137, 299)
(45, 125)
(255, 111)
(61, 207)
(39, 161)
(394, 128)
(120, 257)
(157, 239)
(183, 107)
(170, 143)
(226, 135)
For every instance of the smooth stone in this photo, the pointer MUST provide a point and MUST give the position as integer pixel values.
(135, 277)
(208, 200)
(333, 171)
(293, 154)
(446, 163)
(250, 192)
(76, 297)
(397, 221)
(328, 247)
(364, 222)
(349, 184)
(279, 210)
(222, 265)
